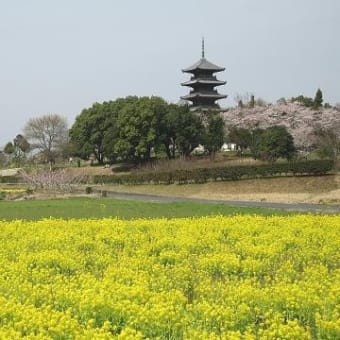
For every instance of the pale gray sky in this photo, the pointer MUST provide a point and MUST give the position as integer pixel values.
(60, 56)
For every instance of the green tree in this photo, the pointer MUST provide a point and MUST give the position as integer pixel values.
(9, 148)
(276, 142)
(252, 101)
(255, 142)
(138, 127)
(328, 142)
(181, 130)
(22, 144)
(318, 100)
(125, 129)
(88, 131)
(305, 101)
(21, 148)
(214, 134)
(240, 136)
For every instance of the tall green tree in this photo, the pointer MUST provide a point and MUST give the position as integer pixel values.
(9, 148)
(252, 101)
(240, 136)
(87, 133)
(318, 99)
(255, 142)
(138, 123)
(214, 134)
(180, 130)
(125, 129)
(276, 142)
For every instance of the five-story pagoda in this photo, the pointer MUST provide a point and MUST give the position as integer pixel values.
(203, 82)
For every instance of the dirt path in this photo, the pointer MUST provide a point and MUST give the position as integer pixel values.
(303, 207)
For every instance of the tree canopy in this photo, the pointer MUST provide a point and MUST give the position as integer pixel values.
(130, 128)
(318, 100)
(214, 133)
(275, 142)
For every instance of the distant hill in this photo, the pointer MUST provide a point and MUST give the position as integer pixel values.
(300, 121)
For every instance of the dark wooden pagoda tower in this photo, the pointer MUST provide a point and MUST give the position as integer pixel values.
(203, 82)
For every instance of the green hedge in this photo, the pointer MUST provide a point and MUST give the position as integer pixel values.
(9, 179)
(232, 173)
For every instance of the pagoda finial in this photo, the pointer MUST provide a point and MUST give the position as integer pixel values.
(203, 52)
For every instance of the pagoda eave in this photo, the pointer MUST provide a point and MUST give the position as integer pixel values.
(203, 65)
(194, 70)
(204, 82)
(207, 96)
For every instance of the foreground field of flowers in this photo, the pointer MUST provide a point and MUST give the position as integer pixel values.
(241, 277)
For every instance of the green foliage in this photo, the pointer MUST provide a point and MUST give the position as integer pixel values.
(180, 129)
(328, 143)
(273, 143)
(9, 179)
(87, 133)
(318, 100)
(255, 143)
(21, 148)
(266, 144)
(3, 159)
(252, 101)
(29, 191)
(138, 123)
(214, 133)
(9, 148)
(306, 101)
(18, 149)
(282, 101)
(21, 143)
(203, 175)
(315, 103)
(126, 128)
(88, 190)
(240, 136)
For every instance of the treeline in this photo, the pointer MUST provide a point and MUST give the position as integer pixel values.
(137, 128)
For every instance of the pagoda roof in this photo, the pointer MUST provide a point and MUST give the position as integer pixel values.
(204, 82)
(203, 64)
(203, 95)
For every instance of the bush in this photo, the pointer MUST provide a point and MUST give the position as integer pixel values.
(88, 190)
(232, 173)
(9, 179)
(123, 167)
(29, 191)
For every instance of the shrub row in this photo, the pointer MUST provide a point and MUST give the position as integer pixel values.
(232, 173)
(9, 179)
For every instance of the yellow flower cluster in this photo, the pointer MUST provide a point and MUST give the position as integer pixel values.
(240, 277)
(12, 191)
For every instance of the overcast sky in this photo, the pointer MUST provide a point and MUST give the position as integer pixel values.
(60, 56)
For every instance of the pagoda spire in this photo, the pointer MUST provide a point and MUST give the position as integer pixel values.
(203, 51)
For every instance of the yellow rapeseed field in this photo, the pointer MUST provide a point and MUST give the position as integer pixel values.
(241, 277)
